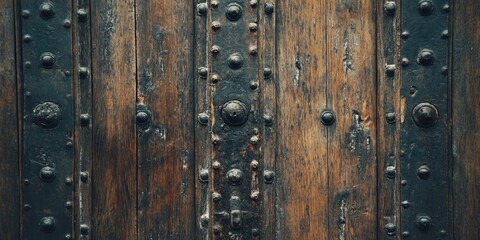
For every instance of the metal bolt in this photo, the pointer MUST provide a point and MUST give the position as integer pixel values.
(445, 34)
(84, 176)
(390, 228)
(253, 3)
(405, 204)
(69, 144)
(444, 70)
(425, 115)
(423, 172)
(390, 70)
(215, 78)
(234, 12)
(390, 172)
(46, 10)
(267, 73)
(47, 59)
(202, 72)
(254, 165)
(67, 23)
(84, 229)
(47, 174)
(25, 14)
(255, 196)
(28, 64)
(235, 176)
(216, 165)
(403, 183)
(253, 27)
(405, 234)
(215, 49)
(405, 34)
(26, 182)
(425, 7)
(254, 140)
(405, 61)
(425, 57)
(203, 118)
(235, 61)
(446, 8)
(423, 222)
(82, 15)
(443, 232)
(84, 119)
(27, 38)
(67, 73)
(268, 176)
(216, 25)
(216, 140)
(83, 72)
(68, 181)
(142, 117)
(253, 50)
(268, 119)
(253, 85)
(390, 7)
(68, 236)
(216, 196)
(68, 205)
(204, 219)
(202, 9)
(269, 8)
(412, 90)
(234, 113)
(47, 224)
(27, 206)
(255, 232)
(390, 117)
(327, 118)
(203, 175)
(214, 3)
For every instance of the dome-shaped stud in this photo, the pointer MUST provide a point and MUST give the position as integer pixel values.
(423, 172)
(234, 113)
(82, 15)
(234, 12)
(269, 8)
(235, 61)
(84, 229)
(47, 115)
(390, 117)
(84, 119)
(216, 196)
(267, 73)
(390, 229)
(46, 10)
(235, 176)
(425, 115)
(47, 224)
(268, 119)
(390, 172)
(47, 60)
(269, 176)
(327, 118)
(389, 7)
(202, 9)
(423, 222)
(425, 57)
(203, 175)
(202, 72)
(47, 174)
(204, 219)
(203, 118)
(142, 117)
(425, 7)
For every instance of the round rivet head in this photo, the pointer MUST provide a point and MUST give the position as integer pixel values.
(405, 61)
(216, 196)
(202, 9)
(405, 234)
(253, 85)
(267, 73)
(48, 60)
(390, 172)
(25, 14)
(269, 8)
(445, 34)
(390, 70)
(390, 229)
(46, 10)
(204, 219)
(84, 177)
(234, 12)
(446, 8)
(142, 117)
(27, 38)
(254, 165)
(234, 113)
(82, 15)
(255, 196)
(202, 72)
(47, 115)
(83, 72)
(425, 57)
(423, 222)
(47, 224)
(423, 172)
(253, 3)
(47, 174)
(425, 7)
(235, 176)
(390, 7)
(235, 61)
(68, 205)
(425, 115)
(405, 34)
(216, 25)
(215, 78)
(269, 176)
(84, 229)
(68, 181)
(253, 27)
(217, 229)
(268, 119)
(405, 204)
(84, 119)
(67, 23)
(215, 49)
(390, 117)
(216, 165)
(68, 237)
(203, 118)
(327, 118)
(203, 175)
(255, 232)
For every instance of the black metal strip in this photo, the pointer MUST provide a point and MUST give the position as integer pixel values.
(424, 132)
(48, 119)
(236, 135)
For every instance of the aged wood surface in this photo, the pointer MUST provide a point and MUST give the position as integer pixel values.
(165, 148)
(9, 151)
(114, 214)
(466, 119)
(302, 165)
(388, 110)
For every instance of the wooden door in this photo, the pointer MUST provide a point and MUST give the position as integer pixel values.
(239, 119)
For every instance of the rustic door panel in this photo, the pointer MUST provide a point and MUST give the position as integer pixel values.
(239, 119)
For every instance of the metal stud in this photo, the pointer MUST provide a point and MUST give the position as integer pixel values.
(68, 236)
(327, 118)
(390, 7)
(47, 115)
(267, 73)
(423, 222)
(67, 23)
(412, 90)
(84, 119)
(425, 7)
(234, 113)
(216, 196)
(253, 85)
(68, 181)
(83, 72)
(253, 3)
(253, 27)
(405, 234)
(390, 117)
(390, 70)
(445, 34)
(27, 38)
(446, 8)
(425, 57)
(235, 176)
(47, 59)
(254, 165)
(215, 78)
(142, 117)
(234, 12)
(268, 119)
(255, 232)
(84, 229)
(269, 8)
(390, 172)
(269, 176)
(215, 49)
(405, 204)
(82, 15)
(203, 118)
(47, 174)
(403, 183)
(204, 219)
(217, 229)
(423, 172)
(405, 34)
(203, 175)
(46, 10)
(25, 14)
(235, 61)
(390, 229)
(202, 9)
(47, 224)
(405, 61)
(216, 165)
(202, 72)
(216, 140)
(444, 70)
(255, 196)
(216, 25)
(84, 176)
(425, 115)
(253, 50)
(68, 205)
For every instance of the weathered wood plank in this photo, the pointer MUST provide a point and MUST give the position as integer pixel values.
(351, 88)
(466, 119)
(114, 140)
(166, 145)
(388, 108)
(9, 152)
(301, 165)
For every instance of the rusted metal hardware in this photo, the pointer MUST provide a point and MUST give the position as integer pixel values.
(48, 119)
(236, 136)
(424, 158)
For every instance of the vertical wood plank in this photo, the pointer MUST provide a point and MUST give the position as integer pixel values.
(114, 144)
(466, 119)
(351, 89)
(388, 108)
(302, 169)
(9, 165)
(166, 146)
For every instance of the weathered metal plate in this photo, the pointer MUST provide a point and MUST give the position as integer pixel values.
(48, 120)
(236, 136)
(424, 131)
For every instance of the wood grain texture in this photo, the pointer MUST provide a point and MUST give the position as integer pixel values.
(351, 71)
(166, 186)
(114, 140)
(388, 102)
(466, 119)
(9, 152)
(301, 164)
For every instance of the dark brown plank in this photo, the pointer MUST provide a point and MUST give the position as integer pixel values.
(352, 140)
(388, 110)
(114, 139)
(165, 147)
(302, 169)
(466, 119)
(9, 166)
